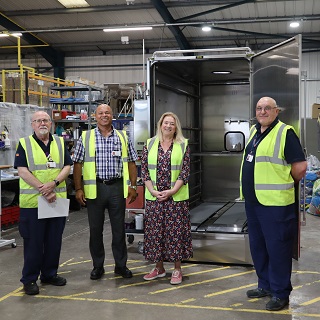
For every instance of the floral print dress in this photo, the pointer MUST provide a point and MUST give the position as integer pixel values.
(167, 226)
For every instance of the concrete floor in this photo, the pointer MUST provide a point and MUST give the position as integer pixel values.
(207, 292)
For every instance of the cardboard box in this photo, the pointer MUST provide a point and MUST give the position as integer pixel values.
(56, 115)
(315, 110)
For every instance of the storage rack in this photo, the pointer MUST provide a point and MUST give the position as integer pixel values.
(75, 102)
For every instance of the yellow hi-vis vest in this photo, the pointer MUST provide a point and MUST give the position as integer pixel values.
(177, 155)
(37, 165)
(89, 165)
(273, 183)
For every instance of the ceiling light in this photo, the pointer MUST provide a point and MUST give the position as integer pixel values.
(74, 3)
(206, 28)
(294, 24)
(127, 29)
(16, 34)
(2, 35)
(221, 72)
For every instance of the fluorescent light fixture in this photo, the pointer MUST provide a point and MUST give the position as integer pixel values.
(206, 28)
(294, 24)
(126, 29)
(74, 3)
(221, 72)
(2, 35)
(16, 34)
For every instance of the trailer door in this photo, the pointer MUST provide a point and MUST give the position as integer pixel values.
(276, 73)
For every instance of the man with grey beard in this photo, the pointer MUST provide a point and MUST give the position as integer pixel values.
(43, 164)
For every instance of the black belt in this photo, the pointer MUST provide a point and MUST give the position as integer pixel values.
(111, 181)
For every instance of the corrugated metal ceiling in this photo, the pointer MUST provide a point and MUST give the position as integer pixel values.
(176, 25)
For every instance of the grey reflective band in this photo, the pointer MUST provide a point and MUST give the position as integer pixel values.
(152, 166)
(284, 186)
(29, 191)
(59, 144)
(89, 182)
(87, 157)
(151, 143)
(32, 166)
(272, 160)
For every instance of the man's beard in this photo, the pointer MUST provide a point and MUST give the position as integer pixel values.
(43, 131)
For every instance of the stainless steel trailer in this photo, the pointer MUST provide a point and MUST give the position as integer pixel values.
(214, 93)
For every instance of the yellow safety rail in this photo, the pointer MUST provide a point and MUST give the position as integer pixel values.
(24, 85)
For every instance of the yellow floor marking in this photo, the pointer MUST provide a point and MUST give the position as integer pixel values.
(66, 262)
(81, 294)
(229, 290)
(78, 262)
(189, 300)
(306, 272)
(184, 306)
(201, 282)
(307, 303)
(237, 305)
(205, 271)
(12, 293)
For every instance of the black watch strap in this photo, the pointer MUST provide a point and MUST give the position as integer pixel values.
(57, 182)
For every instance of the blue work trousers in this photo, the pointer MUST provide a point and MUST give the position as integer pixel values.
(272, 231)
(42, 239)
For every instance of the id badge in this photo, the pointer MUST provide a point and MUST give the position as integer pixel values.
(116, 153)
(51, 164)
(249, 158)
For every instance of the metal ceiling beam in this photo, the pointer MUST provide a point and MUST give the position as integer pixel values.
(167, 17)
(235, 4)
(53, 56)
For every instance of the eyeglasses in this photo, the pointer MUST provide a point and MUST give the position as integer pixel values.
(267, 108)
(45, 121)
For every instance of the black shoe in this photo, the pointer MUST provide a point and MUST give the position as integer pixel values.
(55, 281)
(31, 288)
(123, 271)
(258, 293)
(96, 273)
(276, 304)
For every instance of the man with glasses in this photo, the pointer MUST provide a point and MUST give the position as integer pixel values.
(43, 164)
(272, 166)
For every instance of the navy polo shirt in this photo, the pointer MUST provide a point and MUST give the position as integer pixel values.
(21, 159)
(293, 152)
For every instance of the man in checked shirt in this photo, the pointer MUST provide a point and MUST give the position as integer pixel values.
(105, 157)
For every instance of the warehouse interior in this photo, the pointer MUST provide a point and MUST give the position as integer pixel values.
(143, 58)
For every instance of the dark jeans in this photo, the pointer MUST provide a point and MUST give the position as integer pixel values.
(109, 197)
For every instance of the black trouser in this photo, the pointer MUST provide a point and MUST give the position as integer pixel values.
(42, 240)
(108, 197)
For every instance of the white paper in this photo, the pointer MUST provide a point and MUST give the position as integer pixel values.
(59, 208)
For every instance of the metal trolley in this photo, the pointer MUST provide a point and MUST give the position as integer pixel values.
(132, 210)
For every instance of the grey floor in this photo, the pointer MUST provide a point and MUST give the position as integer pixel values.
(207, 292)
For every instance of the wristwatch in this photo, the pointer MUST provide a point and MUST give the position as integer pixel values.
(57, 182)
(133, 187)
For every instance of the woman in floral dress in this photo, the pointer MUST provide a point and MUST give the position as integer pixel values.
(165, 168)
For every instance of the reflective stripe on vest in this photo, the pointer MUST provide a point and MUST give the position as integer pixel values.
(89, 165)
(274, 185)
(37, 164)
(177, 155)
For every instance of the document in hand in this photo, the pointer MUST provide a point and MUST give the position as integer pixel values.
(59, 208)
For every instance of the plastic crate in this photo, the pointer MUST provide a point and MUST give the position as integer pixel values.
(10, 215)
